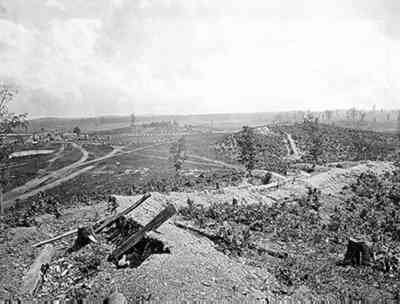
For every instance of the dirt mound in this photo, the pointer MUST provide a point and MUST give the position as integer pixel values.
(333, 181)
(194, 270)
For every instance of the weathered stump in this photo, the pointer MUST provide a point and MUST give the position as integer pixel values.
(358, 253)
(85, 236)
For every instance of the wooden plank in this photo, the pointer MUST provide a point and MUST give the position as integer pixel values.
(122, 213)
(156, 222)
(106, 223)
(33, 276)
(56, 238)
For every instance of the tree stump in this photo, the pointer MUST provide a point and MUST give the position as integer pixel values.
(358, 253)
(85, 236)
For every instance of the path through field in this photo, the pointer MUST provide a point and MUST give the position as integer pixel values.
(54, 183)
(218, 162)
(231, 166)
(187, 161)
(64, 174)
(56, 156)
(36, 182)
(293, 146)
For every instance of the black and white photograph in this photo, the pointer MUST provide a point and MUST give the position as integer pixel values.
(199, 151)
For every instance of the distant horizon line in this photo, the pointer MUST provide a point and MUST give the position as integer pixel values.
(203, 114)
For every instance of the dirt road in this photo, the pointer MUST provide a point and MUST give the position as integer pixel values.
(62, 175)
(53, 184)
(231, 166)
(36, 182)
(56, 156)
(293, 147)
(217, 162)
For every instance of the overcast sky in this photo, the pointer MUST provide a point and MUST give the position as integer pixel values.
(95, 57)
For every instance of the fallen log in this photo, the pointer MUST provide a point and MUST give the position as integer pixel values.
(270, 252)
(34, 275)
(201, 232)
(156, 222)
(216, 238)
(56, 238)
(101, 224)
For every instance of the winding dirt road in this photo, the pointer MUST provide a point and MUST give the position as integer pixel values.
(64, 174)
(56, 156)
(293, 147)
(36, 182)
(217, 162)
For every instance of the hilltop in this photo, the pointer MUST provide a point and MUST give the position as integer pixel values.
(236, 237)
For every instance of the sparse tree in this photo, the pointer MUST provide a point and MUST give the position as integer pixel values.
(77, 131)
(8, 123)
(313, 128)
(352, 114)
(178, 153)
(328, 114)
(362, 116)
(133, 120)
(247, 145)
